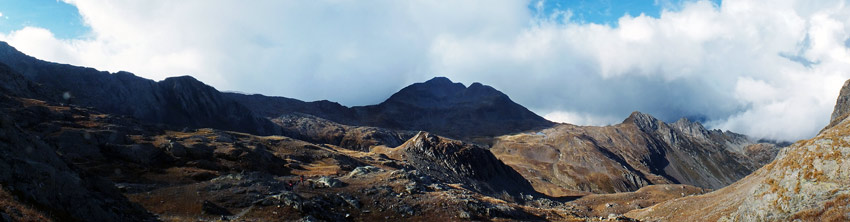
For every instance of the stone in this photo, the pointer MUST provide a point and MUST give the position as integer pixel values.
(211, 208)
(308, 218)
(353, 202)
(364, 170)
(329, 182)
(464, 215)
(176, 149)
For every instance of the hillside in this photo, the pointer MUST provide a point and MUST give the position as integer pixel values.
(625, 157)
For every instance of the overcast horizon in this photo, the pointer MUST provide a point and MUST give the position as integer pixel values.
(767, 69)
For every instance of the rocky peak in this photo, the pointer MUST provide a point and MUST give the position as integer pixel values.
(842, 104)
(693, 129)
(440, 92)
(645, 122)
(454, 161)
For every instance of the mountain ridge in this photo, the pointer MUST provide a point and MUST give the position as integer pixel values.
(437, 105)
(178, 101)
(640, 151)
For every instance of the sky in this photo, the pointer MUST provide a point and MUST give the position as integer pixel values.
(766, 68)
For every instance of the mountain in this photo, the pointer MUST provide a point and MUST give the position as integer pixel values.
(437, 105)
(806, 182)
(177, 101)
(640, 151)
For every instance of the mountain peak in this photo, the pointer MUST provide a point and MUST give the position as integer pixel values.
(439, 80)
(644, 121)
(440, 92)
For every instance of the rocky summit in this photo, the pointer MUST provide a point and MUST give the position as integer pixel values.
(78, 144)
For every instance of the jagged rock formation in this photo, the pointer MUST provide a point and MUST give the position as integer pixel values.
(453, 161)
(807, 181)
(625, 157)
(178, 101)
(437, 105)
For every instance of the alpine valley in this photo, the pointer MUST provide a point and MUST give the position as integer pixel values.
(78, 144)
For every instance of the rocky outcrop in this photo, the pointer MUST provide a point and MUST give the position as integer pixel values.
(625, 157)
(452, 161)
(178, 101)
(33, 172)
(807, 182)
(437, 105)
(318, 130)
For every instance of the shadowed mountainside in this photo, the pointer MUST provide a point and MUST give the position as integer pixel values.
(41, 183)
(177, 101)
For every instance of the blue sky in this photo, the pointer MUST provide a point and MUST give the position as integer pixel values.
(766, 68)
(59, 17)
(608, 11)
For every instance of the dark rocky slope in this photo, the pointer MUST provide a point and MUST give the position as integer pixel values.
(34, 173)
(625, 157)
(437, 105)
(178, 101)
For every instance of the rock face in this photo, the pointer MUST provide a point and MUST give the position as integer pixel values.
(807, 181)
(437, 105)
(33, 171)
(178, 101)
(625, 157)
(452, 161)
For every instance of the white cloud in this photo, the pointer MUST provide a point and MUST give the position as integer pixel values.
(582, 119)
(736, 66)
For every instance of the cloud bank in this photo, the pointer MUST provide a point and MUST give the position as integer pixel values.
(769, 69)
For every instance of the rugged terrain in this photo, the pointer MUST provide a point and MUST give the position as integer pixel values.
(625, 157)
(807, 181)
(77, 144)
